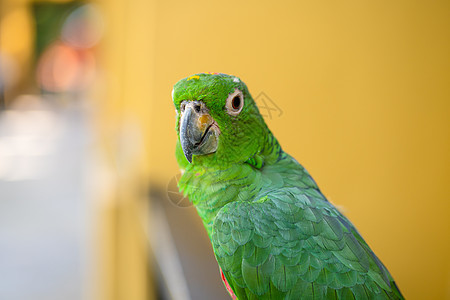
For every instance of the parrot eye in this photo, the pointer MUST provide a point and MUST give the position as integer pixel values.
(235, 103)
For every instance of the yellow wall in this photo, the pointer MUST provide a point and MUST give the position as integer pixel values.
(122, 112)
(365, 94)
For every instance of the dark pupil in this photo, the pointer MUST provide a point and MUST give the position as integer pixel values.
(236, 102)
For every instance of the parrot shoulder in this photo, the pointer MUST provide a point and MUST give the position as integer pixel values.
(293, 242)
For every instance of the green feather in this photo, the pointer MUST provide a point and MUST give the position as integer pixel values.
(257, 278)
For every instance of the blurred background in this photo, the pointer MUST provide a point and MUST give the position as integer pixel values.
(358, 92)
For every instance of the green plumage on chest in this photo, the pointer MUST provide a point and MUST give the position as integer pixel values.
(274, 234)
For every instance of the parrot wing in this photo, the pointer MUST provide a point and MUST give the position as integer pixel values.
(293, 243)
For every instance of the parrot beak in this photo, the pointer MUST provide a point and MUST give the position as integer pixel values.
(199, 132)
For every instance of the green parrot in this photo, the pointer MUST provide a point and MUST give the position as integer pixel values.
(274, 234)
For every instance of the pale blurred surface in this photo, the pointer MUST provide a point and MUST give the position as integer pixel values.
(357, 92)
(45, 218)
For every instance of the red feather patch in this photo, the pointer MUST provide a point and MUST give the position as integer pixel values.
(233, 296)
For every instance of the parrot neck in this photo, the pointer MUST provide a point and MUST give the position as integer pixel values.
(212, 187)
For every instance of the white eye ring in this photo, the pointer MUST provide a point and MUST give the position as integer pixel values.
(235, 102)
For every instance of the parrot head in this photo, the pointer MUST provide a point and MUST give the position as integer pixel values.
(217, 119)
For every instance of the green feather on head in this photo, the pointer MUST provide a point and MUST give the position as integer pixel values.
(234, 115)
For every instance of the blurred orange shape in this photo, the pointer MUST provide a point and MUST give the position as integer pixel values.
(62, 68)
